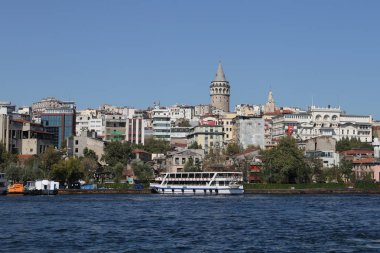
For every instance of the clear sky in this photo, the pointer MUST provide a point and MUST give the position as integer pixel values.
(136, 52)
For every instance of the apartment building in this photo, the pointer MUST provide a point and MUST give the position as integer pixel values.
(320, 121)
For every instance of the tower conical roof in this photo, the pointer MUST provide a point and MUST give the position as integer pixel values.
(270, 97)
(220, 77)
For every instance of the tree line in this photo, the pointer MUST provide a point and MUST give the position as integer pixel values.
(284, 163)
(55, 165)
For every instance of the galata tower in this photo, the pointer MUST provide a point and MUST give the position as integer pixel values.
(220, 91)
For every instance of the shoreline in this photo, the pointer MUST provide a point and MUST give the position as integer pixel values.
(312, 191)
(246, 191)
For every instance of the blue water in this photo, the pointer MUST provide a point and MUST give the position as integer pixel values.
(156, 223)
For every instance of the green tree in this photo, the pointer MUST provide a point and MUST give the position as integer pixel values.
(316, 168)
(345, 170)
(89, 153)
(90, 168)
(31, 169)
(347, 144)
(117, 152)
(6, 158)
(49, 158)
(285, 163)
(332, 174)
(191, 166)
(215, 160)
(117, 172)
(184, 123)
(233, 149)
(14, 173)
(195, 145)
(67, 171)
(143, 171)
(157, 146)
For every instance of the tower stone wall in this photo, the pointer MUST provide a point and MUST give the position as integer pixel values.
(220, 91)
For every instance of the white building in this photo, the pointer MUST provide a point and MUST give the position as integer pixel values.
(135, 130)
(250, 131)
(123, 110)
(200, 110)
(161, 123)
(91, 120)
(248, 110)
(320, 121)
(49, 103)
(178, 112)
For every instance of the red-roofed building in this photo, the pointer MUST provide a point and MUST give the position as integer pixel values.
(142, 155)
(367, 167)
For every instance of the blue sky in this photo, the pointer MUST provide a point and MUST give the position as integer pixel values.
(136, 52)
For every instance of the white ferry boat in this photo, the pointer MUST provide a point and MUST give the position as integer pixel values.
(199, 183)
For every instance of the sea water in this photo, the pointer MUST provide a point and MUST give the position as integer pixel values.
(157, 223)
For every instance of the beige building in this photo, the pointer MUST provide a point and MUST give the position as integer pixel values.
(323, 148)
(176, 161)
(88, 140)
(208, 136)
(115, 127)
(35, 140)
(23, 137)
(228, 126)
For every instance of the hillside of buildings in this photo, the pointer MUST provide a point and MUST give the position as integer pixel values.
(53, 138)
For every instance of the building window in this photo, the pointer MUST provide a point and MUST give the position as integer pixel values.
(76, 142)
(76, 150)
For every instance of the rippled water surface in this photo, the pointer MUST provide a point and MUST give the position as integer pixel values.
(156, 223)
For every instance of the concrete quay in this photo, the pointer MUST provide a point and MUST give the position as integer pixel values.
(312, 191)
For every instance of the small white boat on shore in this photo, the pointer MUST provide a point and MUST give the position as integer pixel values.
(41, 187)
(199, 183)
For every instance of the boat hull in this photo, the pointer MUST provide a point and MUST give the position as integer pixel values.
(196, 190)
(40, 192)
